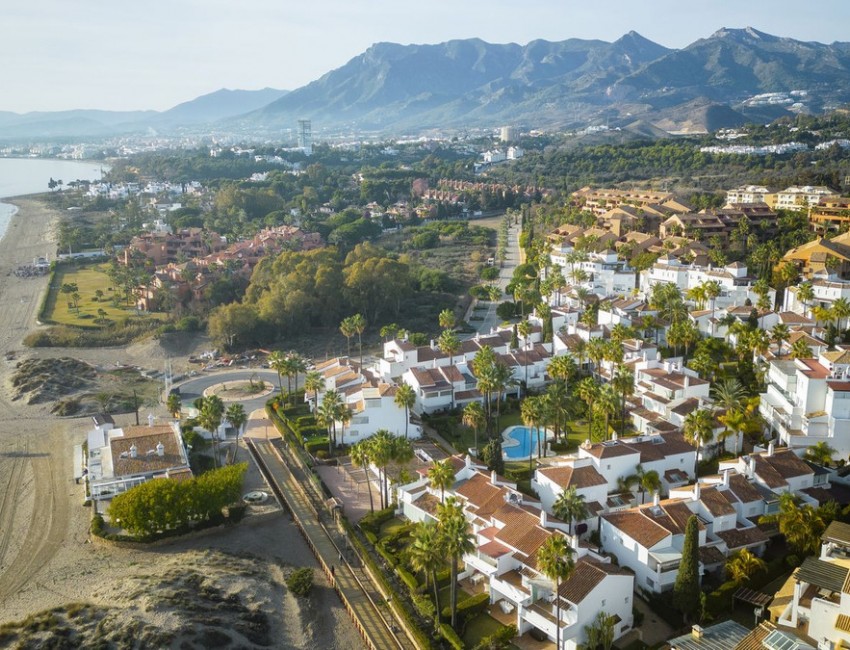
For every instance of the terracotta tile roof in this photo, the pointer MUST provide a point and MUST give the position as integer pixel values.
(676, 476)
(716, 502)
(644, 530)
(741, 537)
(610, 449)
(587, 575)
(782, 465)
(580, 477)
(743, 488)
(710, 555)
(428, 502)
(814, 370)
(494, 549)
(651, 449)
(480, 493)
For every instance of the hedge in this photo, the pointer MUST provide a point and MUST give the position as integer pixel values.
(374, 520)
(444, 577)
(408, 579)
(388, 557)
(468, 607)
(498, 639)
(451, 637)
(372, 537)
(313, 446)
(518, 473)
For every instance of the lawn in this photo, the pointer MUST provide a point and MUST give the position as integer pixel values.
(60, 306)
(391, 526)
(480, 628)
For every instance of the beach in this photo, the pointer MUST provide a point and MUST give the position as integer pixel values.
(46, 558)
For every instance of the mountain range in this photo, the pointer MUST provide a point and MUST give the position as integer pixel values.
(726, 79)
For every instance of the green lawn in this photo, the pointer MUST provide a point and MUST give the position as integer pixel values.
(479, 628)
(391, 526)
(89, 280)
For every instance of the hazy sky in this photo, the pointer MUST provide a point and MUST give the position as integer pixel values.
(153, 54)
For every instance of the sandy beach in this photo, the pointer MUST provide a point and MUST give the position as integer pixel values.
(46, 559)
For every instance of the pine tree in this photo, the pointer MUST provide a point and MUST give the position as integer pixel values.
(686, 589)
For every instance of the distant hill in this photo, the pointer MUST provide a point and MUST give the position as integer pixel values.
(219, 105)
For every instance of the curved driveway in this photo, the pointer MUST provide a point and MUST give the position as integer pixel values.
(194, 387)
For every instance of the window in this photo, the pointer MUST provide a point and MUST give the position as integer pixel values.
(650, 582)
(603, 602)
(608, 466)
(626, 600)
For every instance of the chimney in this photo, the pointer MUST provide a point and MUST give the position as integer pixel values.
(433, 344)
(696, 491)
(133, 451)
(494, 478)
(542, 518)
(697, 632)
(687, 381)
(150, 419)
(656, 498)
(726, 474)
(770, 448)
(160, 449)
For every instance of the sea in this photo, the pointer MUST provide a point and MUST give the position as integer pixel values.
(19, 176)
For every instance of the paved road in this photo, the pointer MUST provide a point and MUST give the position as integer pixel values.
(353, 584)
(506, 274)
(194, 387)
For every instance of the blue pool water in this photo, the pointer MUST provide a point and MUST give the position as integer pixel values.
(527, 442)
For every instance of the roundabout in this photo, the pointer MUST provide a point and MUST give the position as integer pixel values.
(240, 390)
(196, 387)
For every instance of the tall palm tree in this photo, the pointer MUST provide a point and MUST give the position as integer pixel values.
(779, 333)
(588, 392)
(712, 292)
(380, 453)
(735, 422)
(405, 397)
(358, 325)
(314, 383)
(426, 555)
(555, 560)
(343, 415)
(346, 328)
(449, 344)
(801, 350)
(607, 404)
(624, 384)
(570, 506)
(649, 482)
(447, 319)
(210, 415)
(558, 403)
(441, 475)
(805, 294)
(698, 430)
(359, 455)
(524, 329)
(297, 365)
(456, 540)
(235, 414)
(474, 418)
(596, 352)
(276, 363)
(562, 368)
(840, 310)
(820, 453)
(531, 413)
(328, 411)
(502, 379)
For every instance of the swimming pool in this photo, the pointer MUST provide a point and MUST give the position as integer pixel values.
(519, 442)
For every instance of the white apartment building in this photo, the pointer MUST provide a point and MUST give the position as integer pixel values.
(801, 197)
(606, 274)
(747, 194)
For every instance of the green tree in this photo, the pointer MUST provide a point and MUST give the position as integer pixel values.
(456, 540)
(359, 455)
(698, 430)
(346, 328)
(235, 414)
(449, 344)
(441, 475)
(447, 319)
(687, 586)
(426, 555)
(649, 481)
(328, 413)
(743, 565)
(570, 506)
(358, 324)
(600, 633)
(474, 418)
(277, 362)
(174, 405)
(555, 560)
(820, 453)
(801, 525)
(405, 397)
(211, 412)
(314, 383)
(588, 392)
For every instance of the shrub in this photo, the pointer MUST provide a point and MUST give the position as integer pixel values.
(98, 526)
(313, 446)
(637, 616)
(408, 579)
(506, 310)
(372, 537)
(424, 605)
(444, 577)
(374, 520)
(391, 559)
(518, 473)
(451, 637)
(322, 454)
(468, 608)
(300, 581)
(498, 639)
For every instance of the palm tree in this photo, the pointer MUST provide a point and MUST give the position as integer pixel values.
(210, 416)
(712, 292)
(596, 352)
(426, 555)
(277, 363)
(313, 383)
(743, 565)
(236, 416)
(344, 416)
(588, 392)
(297, 365)
(358, 324)
(502, 378)
(698, 430)
(649, 482)
(728, 394)
(562, 368)
(405, 397)
(524, 329)
(441, 475)
(328, 412)
(801, 350)
(570, 506)
(531, 413)
(359, 455)
(346, 328)
(449, 344)
(447, 319)
(555, 560)
(380, 453)
(558, 406)
(805, 294)
(456, 541)
(607, 403)
(779, 333)
(474, 418)
(735, 422)
(820, 453)
(624, 383)
(173, 405)
(840, 310)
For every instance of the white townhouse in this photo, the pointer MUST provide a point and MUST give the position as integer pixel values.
(820, 602)
(808, 400)
(606, 274)
(509, 531)
(778, 470)
(747, 194)
(826, 289)
(801, 197)
(572, 472)
(437, 388)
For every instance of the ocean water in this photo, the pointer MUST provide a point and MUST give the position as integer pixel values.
(20, 176)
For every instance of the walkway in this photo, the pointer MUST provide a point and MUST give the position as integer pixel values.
(356, 589)
(513, 257)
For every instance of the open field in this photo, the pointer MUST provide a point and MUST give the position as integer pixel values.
(91, 309)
